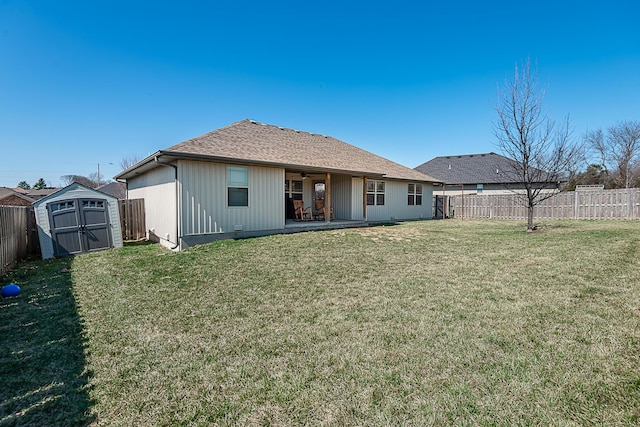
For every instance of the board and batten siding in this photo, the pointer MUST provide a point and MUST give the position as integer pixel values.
(158, 189)
(341, 196)
(396, 206)
(204, 210)
(357, 209)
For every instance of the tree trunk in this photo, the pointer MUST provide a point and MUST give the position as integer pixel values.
(530, 218)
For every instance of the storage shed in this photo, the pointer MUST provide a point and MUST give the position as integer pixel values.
(77, 219)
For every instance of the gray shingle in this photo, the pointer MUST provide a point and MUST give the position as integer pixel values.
(487, 168)
(255, 142)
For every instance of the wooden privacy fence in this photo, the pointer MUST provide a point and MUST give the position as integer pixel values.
(18, 235)
(19, 231)
(132, 219)
(603, 204)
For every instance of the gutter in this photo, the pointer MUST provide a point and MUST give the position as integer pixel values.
(175, 181)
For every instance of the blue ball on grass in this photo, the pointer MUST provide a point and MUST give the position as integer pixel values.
(10, 290)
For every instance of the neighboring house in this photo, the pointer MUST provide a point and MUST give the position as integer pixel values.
(488, 173)
(241, 181)
(11, 197)
(114, 189)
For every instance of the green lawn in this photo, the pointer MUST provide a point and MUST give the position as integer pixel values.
(425, 323)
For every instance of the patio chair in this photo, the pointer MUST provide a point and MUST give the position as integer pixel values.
(302, 213)
(321, 210)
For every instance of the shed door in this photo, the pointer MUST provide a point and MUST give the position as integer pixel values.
(79, 225)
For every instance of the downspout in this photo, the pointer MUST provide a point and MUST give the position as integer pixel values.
(175, 181)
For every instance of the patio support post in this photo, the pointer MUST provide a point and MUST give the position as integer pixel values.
(327, 197)
(364, 197)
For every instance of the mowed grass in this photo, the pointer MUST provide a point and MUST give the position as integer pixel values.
(424, 323)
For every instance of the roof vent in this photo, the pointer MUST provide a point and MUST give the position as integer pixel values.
(497, 171)
(449, 166)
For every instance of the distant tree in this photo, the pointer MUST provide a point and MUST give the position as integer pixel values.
(594, 175)
(619, 152)
(543, 152)
(129, 161)
(24, 185)
(70, 179)
(97, 180)
(40, 185)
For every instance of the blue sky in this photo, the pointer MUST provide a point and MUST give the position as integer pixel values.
(88, 83)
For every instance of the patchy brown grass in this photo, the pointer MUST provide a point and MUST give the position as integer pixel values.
(425, 323)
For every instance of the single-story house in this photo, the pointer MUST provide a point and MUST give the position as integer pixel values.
(241, 180)
(470, 174)
(22, 197)
(11, 197)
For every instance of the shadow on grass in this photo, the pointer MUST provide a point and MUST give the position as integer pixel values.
(42, 365)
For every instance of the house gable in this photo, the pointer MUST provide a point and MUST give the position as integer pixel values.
(250, 142)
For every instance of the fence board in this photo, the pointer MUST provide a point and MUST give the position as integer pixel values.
(132, 219)
(623, 204)
(13, 235)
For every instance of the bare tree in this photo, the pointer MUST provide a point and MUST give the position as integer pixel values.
(624, 150)
(86, 181)
(618, 152)
(129, 161)
(544, 154)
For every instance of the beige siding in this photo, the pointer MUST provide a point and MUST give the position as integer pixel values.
(204, 210)
(357, 203)
(396, 207)
(158, 189)
(341, 196)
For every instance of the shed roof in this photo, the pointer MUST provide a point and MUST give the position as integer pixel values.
(485, 168)
(248, 141)
(71, 188)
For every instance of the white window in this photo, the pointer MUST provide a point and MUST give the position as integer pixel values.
(375, 193)
(414, 194)
(293, 189)
(237, 186)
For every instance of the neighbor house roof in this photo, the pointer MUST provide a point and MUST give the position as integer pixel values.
(35, 194)
(115, 189)
(250, 142)
(9, 196)
(487, 168)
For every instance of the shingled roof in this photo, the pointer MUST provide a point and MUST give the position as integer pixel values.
(487, 168)
(250, 142)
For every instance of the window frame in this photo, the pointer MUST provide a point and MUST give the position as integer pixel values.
(290, 189)
(375, 192)
(233, 185)
(414, 194)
